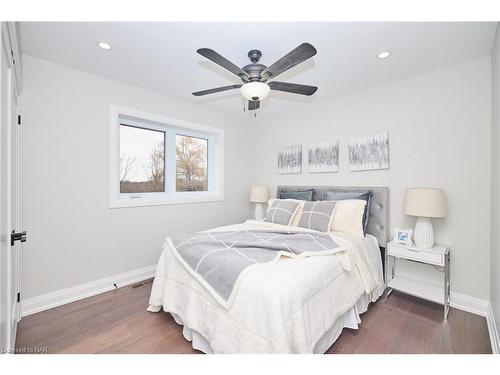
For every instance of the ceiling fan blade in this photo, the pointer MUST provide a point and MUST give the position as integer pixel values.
(225, 63)
(293, 88)
(218, 89)
(253, 104)
(292, 58)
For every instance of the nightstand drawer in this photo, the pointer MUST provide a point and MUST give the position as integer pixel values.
(417, 254)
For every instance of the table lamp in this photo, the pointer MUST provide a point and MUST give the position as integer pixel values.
(259, 195)
(425, 203)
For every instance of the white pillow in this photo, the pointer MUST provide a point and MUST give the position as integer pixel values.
(298, 211)
(348, 217)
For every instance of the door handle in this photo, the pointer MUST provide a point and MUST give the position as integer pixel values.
(17, 236)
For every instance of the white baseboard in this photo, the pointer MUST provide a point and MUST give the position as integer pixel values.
(470, 304)
(492, 329)
(60, 297)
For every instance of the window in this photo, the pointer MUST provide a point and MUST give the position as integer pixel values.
(191, 163)
(157, 160)
(142, 160)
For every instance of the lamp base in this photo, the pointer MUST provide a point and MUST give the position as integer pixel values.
(424, 234)
(259, 211)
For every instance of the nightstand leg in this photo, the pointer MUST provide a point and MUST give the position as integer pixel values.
(388, 277)
(386, 281)
(447, 289)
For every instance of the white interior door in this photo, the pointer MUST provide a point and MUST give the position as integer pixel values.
(10, 196)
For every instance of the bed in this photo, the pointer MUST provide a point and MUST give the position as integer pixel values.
(295, 304)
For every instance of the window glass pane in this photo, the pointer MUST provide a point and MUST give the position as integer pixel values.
(142, 160)
(191, 163)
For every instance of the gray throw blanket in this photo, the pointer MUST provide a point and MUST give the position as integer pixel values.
(219, 258)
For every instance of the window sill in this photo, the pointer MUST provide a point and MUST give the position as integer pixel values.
(160, 201)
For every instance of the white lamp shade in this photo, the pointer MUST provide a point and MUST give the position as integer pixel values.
(425, 202)
(259, 194)
(255, 90)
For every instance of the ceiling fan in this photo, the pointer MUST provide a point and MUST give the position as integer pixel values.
(255, 76)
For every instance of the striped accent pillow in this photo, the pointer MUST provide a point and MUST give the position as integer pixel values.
(281, 211)
(317, 215)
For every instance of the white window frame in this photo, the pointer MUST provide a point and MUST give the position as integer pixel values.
(171, 127)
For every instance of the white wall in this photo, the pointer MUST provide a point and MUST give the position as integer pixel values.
(439, 130)
(495, 180)
(74, 237)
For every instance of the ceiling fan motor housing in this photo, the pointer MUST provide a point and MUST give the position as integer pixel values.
(254, 70)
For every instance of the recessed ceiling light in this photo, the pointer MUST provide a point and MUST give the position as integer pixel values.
(104, 45)
(384, 55)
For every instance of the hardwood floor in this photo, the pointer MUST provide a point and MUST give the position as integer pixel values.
(117, 322)
(404, 324)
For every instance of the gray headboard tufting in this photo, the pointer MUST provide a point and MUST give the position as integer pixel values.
(378, 222)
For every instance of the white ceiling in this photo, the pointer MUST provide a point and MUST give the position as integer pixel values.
(162, 56)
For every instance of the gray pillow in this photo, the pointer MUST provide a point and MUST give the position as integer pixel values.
(343, 195)
(281, 212)
(317, 215)
(305, 195)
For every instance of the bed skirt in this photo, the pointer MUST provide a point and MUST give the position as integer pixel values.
(351, 319)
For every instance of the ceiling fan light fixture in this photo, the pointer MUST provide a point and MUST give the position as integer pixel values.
(255, 90)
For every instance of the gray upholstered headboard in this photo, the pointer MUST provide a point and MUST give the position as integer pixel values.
(378, 222)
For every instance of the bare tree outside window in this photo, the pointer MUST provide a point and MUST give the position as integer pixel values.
(127, 163)
(142, 160)
(191, 164)
(156, 168)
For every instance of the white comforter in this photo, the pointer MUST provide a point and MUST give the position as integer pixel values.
(283, 307)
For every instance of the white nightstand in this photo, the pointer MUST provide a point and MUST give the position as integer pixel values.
(436, 256)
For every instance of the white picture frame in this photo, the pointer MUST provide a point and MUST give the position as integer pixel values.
(403, 236)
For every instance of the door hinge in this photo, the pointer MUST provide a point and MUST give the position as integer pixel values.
(18, 296)
(18, 119)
